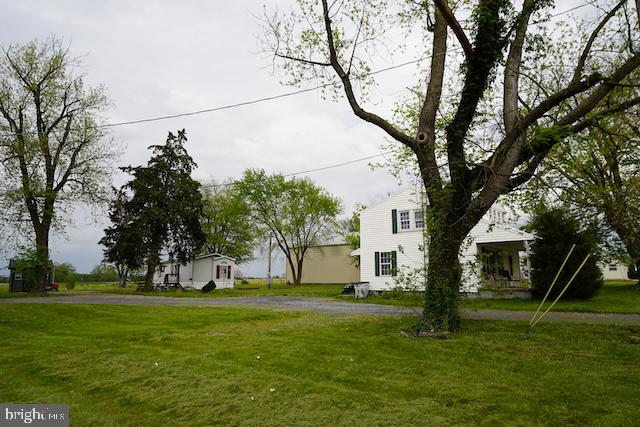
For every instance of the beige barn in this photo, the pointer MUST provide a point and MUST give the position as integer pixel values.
(327, 264)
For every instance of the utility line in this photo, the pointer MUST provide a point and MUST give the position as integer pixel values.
(288, 94)
(336, 165)
(259, 100)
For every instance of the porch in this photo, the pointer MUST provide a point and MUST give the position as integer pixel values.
(503, 265)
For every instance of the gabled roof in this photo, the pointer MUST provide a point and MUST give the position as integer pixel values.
(215, 255)
(501, 232)
(211, 255)
(390, 196)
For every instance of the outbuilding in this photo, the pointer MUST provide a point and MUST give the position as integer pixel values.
(196, 273)
(21, 277)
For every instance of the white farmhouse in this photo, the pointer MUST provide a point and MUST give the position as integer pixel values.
(197, 272)
(391, 238)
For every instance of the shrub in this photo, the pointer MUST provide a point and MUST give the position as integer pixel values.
(557, 231)
(70, 282)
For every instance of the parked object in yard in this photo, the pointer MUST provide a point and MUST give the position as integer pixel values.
(349, 289)
(209, 287)
(53, 287)
(362, 289)
(196, 273)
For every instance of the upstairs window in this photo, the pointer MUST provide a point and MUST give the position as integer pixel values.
(419, 219)
(405, 220)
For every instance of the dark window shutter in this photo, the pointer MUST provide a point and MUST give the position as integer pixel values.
(229, 272)
(377, 263)
(394, 221)
(394, 263)
(217, 271)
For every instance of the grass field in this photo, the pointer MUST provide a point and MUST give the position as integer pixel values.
(199, 366)
(616, 296)
(621, 296)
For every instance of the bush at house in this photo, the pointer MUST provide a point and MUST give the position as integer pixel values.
(558, 230)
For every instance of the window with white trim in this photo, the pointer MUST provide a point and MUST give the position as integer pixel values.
(385, 263)
(405, 220)
(613, 267)
(418, 219)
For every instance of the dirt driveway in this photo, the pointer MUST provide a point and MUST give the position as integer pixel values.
(322, 305)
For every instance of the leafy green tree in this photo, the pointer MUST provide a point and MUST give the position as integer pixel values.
(104, 273)
(483, 114)
(598, 173)
(52, 147)
(558, 230)
(119, 239)
(295, 211)
(64, 272)
(349, 230)
(227, 222)
(160, 211)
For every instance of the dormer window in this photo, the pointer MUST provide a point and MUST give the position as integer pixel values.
(419, 219)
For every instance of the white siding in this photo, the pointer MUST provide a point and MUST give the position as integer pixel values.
(200, 271)
(620, 273)
(376, 235)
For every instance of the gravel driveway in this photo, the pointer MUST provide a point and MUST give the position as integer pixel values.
(322, 305)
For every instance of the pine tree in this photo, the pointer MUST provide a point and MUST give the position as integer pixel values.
(159, 211)
(558, 230)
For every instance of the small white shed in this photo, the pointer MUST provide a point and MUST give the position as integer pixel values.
(198, 272)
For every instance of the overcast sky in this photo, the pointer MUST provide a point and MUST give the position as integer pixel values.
(165, 57)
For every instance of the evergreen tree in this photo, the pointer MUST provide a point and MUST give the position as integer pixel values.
(157, 211)
(558, 230)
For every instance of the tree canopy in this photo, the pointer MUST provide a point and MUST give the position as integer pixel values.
(598, 174)
(227, 222)
(52, 145)
(157, 211)
(295, 211)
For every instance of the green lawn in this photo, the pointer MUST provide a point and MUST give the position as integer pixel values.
(130, 365)
(621, 296)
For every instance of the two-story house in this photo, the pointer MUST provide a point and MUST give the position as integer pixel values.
(392, 239)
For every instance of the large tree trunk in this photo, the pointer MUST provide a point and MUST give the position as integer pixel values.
(41, 261)
(444, 275)
(123, 272)
(148, 278)
(298, 276)
(152, 263)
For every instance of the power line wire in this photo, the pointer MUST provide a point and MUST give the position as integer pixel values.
(288, 94)
(313, 170)
(259, 100)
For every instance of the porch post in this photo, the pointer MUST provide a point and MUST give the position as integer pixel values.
(526, 249)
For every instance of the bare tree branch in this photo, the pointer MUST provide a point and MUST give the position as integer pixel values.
(449, 17)
(577, 74)
(355, 106)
